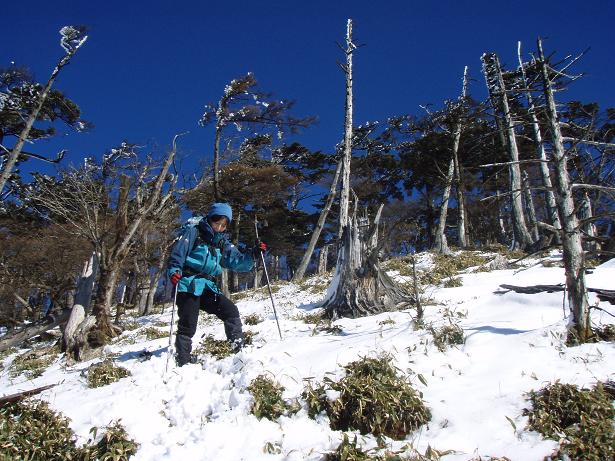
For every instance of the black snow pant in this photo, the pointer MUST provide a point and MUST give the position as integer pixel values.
(188, 306)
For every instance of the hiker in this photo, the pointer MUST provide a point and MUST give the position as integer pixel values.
(198, 256)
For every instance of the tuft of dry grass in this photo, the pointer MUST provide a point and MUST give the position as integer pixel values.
(580, 419)
(371, 398)
(104, 373)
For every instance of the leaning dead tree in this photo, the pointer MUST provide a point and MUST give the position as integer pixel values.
(359, 287)
(300, 272)
(506, 125)
(73, 37)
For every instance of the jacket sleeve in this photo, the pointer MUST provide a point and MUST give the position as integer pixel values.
(181, 249)
(234, 259)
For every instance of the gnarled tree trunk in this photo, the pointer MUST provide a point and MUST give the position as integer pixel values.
(360, 287)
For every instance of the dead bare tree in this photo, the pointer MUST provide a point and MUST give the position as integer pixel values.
(540, 148)
(571, 229)
(359, 287)
(499, 100)
(347, 151)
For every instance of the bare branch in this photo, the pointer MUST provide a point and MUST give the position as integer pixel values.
(534, 160)
(586, 141)
(594, 187)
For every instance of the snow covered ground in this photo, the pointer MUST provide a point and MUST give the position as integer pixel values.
(514, 343)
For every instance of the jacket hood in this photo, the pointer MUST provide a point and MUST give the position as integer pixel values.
(208, 235)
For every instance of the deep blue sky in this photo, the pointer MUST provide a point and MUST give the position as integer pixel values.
(149, 67)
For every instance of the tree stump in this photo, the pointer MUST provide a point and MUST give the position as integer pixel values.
(360, 287)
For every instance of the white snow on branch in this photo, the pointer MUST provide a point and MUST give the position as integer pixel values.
(72, 38)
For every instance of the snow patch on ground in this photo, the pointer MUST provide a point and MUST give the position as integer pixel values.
(514, 343)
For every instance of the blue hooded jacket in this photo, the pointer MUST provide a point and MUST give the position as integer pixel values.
(199, 251)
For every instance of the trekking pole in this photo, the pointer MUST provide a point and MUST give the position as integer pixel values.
(275, 314)
(170, 348)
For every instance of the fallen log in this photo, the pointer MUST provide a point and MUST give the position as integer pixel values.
(8, 399)
(36, 328)
(603, 294)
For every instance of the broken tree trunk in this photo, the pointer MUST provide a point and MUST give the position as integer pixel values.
(31, 330)
(85, 284)
(74, 336)
(360, 287)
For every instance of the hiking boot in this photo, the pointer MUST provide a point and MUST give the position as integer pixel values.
(183, 360)
(237, 345)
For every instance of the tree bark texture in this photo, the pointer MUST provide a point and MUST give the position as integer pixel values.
(589, 228)
(462, 230)
(85, 284)
(529, 203)
(501, 226)
(345, 192)
(440, 243)
(322, 259)
(571, 233)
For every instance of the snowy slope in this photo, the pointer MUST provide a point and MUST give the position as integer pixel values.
(514, 343)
